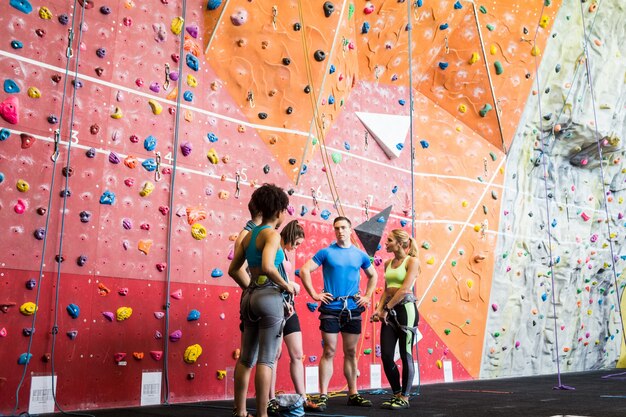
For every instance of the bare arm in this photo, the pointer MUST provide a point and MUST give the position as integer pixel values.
(307, 282)
(372, 276)
(236, 270)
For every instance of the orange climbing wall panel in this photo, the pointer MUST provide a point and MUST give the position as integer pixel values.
(139, 100)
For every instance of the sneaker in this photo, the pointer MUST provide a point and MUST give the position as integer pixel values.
(399, 404)
(310, 405)
(321, 402)
(387, 403)
(359, 401)
(272, 407)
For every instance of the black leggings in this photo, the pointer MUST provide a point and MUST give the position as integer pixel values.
(407, 315)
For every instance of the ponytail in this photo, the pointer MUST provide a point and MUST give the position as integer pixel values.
(413, 249)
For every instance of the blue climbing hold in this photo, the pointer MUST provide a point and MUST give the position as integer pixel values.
(15, 44)
(1, 177)
(213, 4)
(399, 146)
(424, 144)
(188, 96)
(304, 211)
(325, 214)
(107, 197)
(381, 219)
(365, 27)
(402, 102)
(458, 5)
(73, 310)
(443, 65)
(394, 189)
(297, 273)
(443, 26)
(331, 99)
(304, 170)
(216, 273)
(22, 5)
(312, 307)
(419, 3)
(212, 137)
(24, 358)
(150, 143)
(331, 69)
(149, 164)
(193, 315)
(10, 87)
(403, 222)
(544, 296)
(192, 62)
(4, 134)
(346, 145)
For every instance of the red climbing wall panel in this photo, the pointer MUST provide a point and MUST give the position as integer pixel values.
(240, 116)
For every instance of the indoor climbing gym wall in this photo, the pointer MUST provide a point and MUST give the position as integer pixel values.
(132, 134)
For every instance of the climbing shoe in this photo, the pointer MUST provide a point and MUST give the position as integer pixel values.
(358, 401)
(272, 407)
(321, 402)
(399, 404)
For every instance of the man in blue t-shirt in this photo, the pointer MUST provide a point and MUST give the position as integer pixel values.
(341, 307)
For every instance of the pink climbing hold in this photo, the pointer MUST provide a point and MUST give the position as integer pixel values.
(119, 357)
(9, 110)
(369, 8)
(159, 314)
(494, 307)
(156, 354)
(517, 344)
(177, 295)
(20, 207)
(108, 315)
(585, 216)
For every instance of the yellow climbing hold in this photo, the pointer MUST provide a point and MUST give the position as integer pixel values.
(123, 313)
(430, 260)
(22, 186)
(28, 309)
(439, 364)
(221, 374)
(198, 231)
(535, 51)
(192, 353)
(192, 81)
(117, 114)
(545, 20)
(477, 228)
(493, 50)
(212, 156)
(177, 25)
(464, 203)
(147, 189)
(33, 92)
(45, 13)
(155, 106)
(462, 108)
(474, 58)
(470, 283)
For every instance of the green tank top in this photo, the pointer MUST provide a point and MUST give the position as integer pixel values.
(394, 277)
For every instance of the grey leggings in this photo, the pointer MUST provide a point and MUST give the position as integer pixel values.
(263, 317)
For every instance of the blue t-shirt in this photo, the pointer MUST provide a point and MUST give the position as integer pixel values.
(341, 272)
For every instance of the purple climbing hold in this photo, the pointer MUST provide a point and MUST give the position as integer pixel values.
(31, 284)
(39, 233)
(186, 148)
(176, 335)
(91, 153)
(155, 87)
(239, 17)
(193, 30)
(63, 19)
(72, 334)
(81, 260)
(109, 315)
(101, 52)
(85, 216)
(113, 158)
(105, 10)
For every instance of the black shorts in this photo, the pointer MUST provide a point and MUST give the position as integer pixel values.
(341, 321)
(292, 325)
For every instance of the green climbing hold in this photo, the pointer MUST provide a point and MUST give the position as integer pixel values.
(485, 209)
(499, 68)
(367, 351)
(496, 334)
(447, 331)
(425, 245)
(547, 3)
(494, 194)
(350, 11)
(486, 109)
(493, 156)
(453, 263)
(314, 141)
(461, 252)
(505, 255)
(490, 27)
(430, 351)
(336, 157)
(434, 299)
(483, 9)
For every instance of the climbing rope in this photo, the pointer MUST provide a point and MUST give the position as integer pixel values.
(170, 219)
(599, 146)
(54, 159)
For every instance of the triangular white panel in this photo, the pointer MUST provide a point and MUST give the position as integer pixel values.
(389, 130)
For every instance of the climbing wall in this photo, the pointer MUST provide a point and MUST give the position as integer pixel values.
(119, 228)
